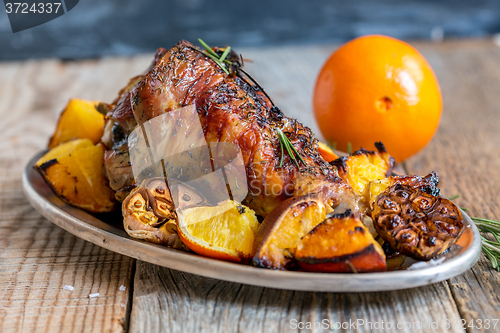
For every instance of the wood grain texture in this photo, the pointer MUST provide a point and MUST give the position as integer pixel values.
(37, 259)
(165, 300)
(466, 152)
(171, 301)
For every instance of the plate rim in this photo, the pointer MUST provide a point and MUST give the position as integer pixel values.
(115, 241)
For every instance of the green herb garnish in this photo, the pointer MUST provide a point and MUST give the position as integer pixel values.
(349, 148)
(490, 249)
(285, 143)
(215, 57)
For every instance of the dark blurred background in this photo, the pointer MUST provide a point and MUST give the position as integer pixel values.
(96, 28)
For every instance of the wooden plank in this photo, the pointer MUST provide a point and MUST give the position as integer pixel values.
(466, 153)
(171, 301)
(37, 259)
(168, 300)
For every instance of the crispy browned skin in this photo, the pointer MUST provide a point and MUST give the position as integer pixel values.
(231, 109)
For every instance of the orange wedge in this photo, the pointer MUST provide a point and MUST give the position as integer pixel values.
(326, 152)
(75, 171)
(79, 120)
(283, 229)
(225, 231)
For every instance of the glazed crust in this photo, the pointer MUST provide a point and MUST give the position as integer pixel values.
(416, 223)
(231, 109)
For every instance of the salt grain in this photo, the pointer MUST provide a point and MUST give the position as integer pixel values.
(93, 295)
(122, 288)
(68, 287)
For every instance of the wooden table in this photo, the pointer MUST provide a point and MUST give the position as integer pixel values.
(37, 259)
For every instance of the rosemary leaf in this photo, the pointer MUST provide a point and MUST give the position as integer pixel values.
(491, 257)
(287, 145)
(282, 155)
(208, 48)
(481, 219)
(491, 244)
(224, 55)
(296, 152)
(214, 56)
(217, 62)
(490, 249)
(285, 142)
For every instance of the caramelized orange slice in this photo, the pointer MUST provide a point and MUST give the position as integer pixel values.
(79, 120)
(282, 230)
(74, 170)
(341, 243)
(225, 231)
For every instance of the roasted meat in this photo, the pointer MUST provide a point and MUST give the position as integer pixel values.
(232, 108)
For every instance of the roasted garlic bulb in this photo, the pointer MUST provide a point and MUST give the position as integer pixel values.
(416, 223)
(427, 184)
(149, 214)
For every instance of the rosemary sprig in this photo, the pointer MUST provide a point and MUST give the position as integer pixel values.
(285, 142)
(282, 154)
(490, 249)
(225, 54)
(215, 57)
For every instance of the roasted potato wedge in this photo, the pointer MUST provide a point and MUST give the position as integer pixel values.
(326, 152)
(416, 223)
(340, 244)
(364, 166)
(79, 120)
(74, 170)
(282, 230)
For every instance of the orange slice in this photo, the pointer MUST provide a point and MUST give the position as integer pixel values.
(283, 229)
(326, 152)
(75, 171)
(79, 120)
(225, 231)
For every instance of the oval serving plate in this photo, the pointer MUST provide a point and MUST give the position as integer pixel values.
(103, 231)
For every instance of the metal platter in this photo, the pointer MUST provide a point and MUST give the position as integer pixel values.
(106, 231)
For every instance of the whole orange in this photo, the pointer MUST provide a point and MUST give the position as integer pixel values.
(378, 88)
